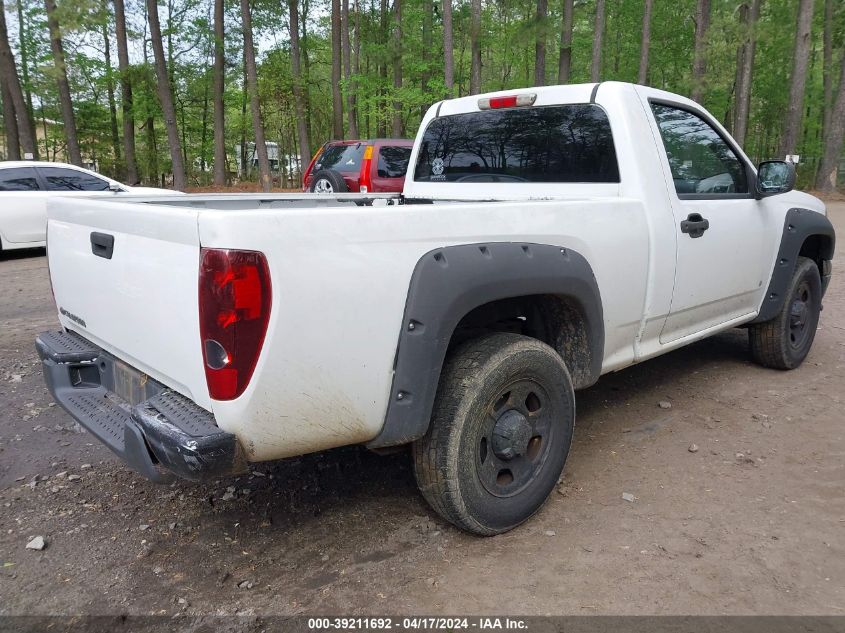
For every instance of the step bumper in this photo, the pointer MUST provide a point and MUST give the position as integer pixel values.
(157, 431)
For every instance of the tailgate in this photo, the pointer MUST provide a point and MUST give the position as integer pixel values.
(124, 276)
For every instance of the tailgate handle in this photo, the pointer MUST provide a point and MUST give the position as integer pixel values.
(102, 245)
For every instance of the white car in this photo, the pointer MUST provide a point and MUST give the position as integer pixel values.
(546, 236)
(25, 187)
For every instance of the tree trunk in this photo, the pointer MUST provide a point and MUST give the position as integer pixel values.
(564, 66)
(540, 43)
(745, 69)
(24, 39)
(428, 45)
(65, 102)
(10, 124)
(337, 100)
(115, 137)
(45, 131)
(448, 49)
(152, 151)
(462, 76)
(827, 65)
(351, 114)
(296, 75)
(204, 133)
(397, 69)
(367, 110)
(645, 43)
(699, 56)
(800, 59)
(382, 61)
(598, 38)
(183, 130)
(306, 65)
(218, 89)
(356, 57)
(617, 40)
(125, 94)
(9, 79)
(475, 45)
(833, 140)
(165, 96)
(254, 104)
(245, 167)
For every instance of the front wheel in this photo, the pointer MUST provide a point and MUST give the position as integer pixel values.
(784, 341)
(500, 433)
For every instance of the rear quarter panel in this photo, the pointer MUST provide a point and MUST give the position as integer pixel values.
(340, 280)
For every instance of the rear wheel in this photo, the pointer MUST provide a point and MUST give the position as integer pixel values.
(784, 341)
(328, 181)
(499, 435)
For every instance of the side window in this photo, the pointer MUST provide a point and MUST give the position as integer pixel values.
(18, 179)
(393, 161)
(701, 161)
(60, 179)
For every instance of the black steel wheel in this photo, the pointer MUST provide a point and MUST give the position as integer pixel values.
(800, 314)
(784, 341)
(500, 433)
(514, 444)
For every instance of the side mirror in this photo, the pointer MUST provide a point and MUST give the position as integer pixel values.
(774, 177)
(115, 187)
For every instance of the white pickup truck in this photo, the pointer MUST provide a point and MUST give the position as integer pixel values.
(545, 237)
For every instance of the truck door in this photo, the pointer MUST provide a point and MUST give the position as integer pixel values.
(721, 259)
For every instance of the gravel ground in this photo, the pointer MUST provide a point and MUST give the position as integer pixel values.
(728, 501)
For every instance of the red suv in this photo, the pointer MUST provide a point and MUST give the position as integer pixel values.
(374, 166)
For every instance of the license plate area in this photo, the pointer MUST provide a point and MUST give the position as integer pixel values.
(132, 385)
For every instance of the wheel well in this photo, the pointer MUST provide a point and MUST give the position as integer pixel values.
(557, 320)
(818, 248)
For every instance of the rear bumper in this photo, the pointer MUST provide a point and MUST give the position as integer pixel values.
(164, 434)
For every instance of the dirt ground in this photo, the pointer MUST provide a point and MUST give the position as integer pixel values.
(753, 522)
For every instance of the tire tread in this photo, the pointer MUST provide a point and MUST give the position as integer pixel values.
(431, 453)
(768, 340)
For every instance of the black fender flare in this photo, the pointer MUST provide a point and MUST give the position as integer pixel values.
(447, 284)
(798, 225)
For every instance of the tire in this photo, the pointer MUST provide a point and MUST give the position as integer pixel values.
(784, 341)
(328, 181)
(500, 433)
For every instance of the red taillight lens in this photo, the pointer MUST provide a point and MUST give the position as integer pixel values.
(364, 181)
(503, 102)
(507, 101)
(234, 302)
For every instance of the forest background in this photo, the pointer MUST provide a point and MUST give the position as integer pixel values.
(182, 93)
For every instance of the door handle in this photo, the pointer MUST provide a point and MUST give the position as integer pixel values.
(102, 245)
(695, 225)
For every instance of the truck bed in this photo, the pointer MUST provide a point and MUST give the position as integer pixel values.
(325, 371)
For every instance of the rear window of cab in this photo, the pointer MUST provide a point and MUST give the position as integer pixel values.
(563, 143)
